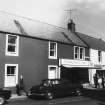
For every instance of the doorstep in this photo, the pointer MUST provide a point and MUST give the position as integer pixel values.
(16, 97)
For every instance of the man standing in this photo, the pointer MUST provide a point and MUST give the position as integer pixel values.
(103, 81)
(95, 80)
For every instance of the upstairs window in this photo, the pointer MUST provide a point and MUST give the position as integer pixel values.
(79, 52)
(76, 52)
(52, 50)
(12, 42)
(99, 56)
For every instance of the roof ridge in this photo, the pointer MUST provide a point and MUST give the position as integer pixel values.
(31, 19)
(88, 35)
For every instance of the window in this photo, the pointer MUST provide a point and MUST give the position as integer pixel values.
(79, 52)
(52, 50)
(11, 75)
(53, 72)
(76, 52)
(99, 56)
(12, 42)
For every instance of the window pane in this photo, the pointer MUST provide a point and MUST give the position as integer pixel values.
(81, 53)
(10, 70)
(76, 56)
(76, 50)
(12, 39)
(81, 50)
(11, 48)
(52, 46)
(51, 53)
(81, 56)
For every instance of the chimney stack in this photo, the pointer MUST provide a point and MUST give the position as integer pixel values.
(71, 26)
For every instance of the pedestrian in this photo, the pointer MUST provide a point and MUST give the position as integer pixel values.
(100, 82)
(22, 86)
(103, 81)
(95, 80)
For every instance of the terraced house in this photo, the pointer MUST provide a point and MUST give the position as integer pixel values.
(36, 51)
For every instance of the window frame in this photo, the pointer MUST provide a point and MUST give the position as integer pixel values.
(55, 50)
(9, 53)
(79, 53)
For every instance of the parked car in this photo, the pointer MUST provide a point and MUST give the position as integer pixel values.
(4, 95)
(51, 88)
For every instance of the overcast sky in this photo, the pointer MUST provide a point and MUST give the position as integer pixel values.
(89, 15)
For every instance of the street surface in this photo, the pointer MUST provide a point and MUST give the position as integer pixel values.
(59, 101)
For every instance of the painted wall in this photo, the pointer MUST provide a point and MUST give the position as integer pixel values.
(32, 60)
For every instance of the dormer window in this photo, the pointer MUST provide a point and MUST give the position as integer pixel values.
(12, 42)
(52, 50)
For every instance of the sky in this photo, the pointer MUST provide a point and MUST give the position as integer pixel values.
(88, 15)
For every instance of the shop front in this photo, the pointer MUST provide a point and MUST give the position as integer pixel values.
(75, 71)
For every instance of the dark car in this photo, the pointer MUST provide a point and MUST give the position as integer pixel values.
(51, 88)
(4, 95)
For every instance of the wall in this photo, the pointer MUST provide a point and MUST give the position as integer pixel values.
(32, 60)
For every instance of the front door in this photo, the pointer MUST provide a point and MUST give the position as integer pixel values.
(11, 75)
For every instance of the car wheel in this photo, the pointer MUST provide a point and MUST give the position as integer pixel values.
(49, 95)
(2, 100)
(78, 92)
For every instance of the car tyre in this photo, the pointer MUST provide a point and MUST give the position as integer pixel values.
(2, 100)
(49, 95)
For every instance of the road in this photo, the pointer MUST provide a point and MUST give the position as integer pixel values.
(59, 101)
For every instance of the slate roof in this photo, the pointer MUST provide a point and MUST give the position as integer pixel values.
(28, 27)
(92, 42)
(24, 26)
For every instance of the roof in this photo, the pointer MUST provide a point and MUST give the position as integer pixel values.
(92, 42)
(28, 27)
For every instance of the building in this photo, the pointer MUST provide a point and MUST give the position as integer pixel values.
(97, 55)
(36, 51)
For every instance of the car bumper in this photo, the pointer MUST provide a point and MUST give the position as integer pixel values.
(35, 94)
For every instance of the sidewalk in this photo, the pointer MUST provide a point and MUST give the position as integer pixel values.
(16, 97)
(91, 87)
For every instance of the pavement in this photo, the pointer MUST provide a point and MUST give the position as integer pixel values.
(16, 97)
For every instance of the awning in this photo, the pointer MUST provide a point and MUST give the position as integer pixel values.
(90, 67)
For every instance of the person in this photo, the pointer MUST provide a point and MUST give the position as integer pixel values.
(22, 86)
(100, 82)
(95, 80)
(103, 81)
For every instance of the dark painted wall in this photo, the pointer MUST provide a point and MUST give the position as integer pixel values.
(32, 60)
(65, 51)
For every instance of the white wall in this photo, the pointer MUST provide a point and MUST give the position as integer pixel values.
(94, 60)
(94, 56)
(103, 58)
